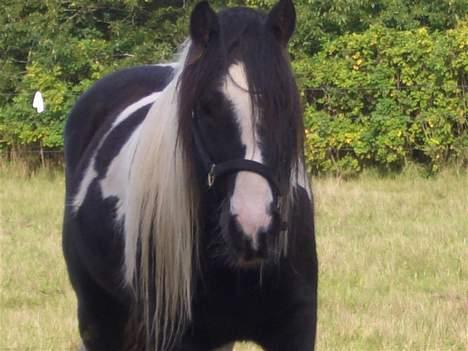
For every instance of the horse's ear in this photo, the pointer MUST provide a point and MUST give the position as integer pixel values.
(282, 20)
(203, 24)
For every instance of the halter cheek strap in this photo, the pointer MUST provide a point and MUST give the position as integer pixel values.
(215, 170)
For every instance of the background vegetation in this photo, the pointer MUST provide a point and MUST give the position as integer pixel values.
(397, 282)
(384, 82)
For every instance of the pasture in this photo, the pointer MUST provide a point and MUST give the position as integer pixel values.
(393, 255)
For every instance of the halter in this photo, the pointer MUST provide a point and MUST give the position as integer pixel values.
(215, 170)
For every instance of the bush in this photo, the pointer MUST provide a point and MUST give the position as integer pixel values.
(385, 97)
(378, 88)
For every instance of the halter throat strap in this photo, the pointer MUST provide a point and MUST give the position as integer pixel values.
(215, 170)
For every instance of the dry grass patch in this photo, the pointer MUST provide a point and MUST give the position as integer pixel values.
(393, 273)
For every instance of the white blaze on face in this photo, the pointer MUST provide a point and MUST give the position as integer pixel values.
(252, 195)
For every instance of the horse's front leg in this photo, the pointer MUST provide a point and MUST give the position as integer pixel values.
(297, 332)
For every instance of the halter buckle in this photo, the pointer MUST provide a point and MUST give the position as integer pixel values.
(211, 176)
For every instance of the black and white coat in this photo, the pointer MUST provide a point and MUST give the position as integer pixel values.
(159, 260)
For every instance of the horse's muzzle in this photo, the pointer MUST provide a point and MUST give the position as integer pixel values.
(249, 250)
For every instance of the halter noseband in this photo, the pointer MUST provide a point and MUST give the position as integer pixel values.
(215, 170)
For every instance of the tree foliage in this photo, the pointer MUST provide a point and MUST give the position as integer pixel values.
(383, 82)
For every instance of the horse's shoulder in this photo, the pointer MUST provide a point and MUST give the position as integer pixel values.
(96, 110)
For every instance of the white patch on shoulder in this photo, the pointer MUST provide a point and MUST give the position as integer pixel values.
(114, 173)
(118, 174)
(252, 195)
(174, 65)
(129, 110)
(89, 175)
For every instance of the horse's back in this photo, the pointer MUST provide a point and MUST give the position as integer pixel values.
(96, 110)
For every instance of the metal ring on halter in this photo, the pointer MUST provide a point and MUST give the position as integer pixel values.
(211, 176)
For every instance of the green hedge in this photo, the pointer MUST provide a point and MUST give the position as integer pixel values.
(378, 88)
(385, 97)
(62, 48)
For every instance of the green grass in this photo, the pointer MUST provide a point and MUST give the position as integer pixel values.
(393, 263)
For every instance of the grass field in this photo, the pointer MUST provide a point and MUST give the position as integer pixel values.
(393, 263)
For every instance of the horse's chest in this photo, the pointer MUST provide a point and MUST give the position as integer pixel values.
(234, 306)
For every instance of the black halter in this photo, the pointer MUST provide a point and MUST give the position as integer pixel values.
(215, 170)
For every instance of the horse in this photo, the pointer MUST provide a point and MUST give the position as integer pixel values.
(189, 221)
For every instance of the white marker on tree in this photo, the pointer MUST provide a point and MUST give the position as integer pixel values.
(38, 102)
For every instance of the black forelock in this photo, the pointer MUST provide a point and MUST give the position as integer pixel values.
(235, 22)
(271, 83)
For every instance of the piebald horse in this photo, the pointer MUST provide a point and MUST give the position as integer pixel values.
(189, 218)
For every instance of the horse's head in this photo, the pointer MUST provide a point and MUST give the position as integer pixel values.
(245, 123)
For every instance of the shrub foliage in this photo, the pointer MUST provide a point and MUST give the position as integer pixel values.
(385, 97)
(383, 82)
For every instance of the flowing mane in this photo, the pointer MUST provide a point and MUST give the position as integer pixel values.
(161, 217)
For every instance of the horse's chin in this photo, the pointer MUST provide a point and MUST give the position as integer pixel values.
(231, 256)
(250, 264)
(242, 255)
(238, 262)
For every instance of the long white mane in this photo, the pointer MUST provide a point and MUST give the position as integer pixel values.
(161, 220)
